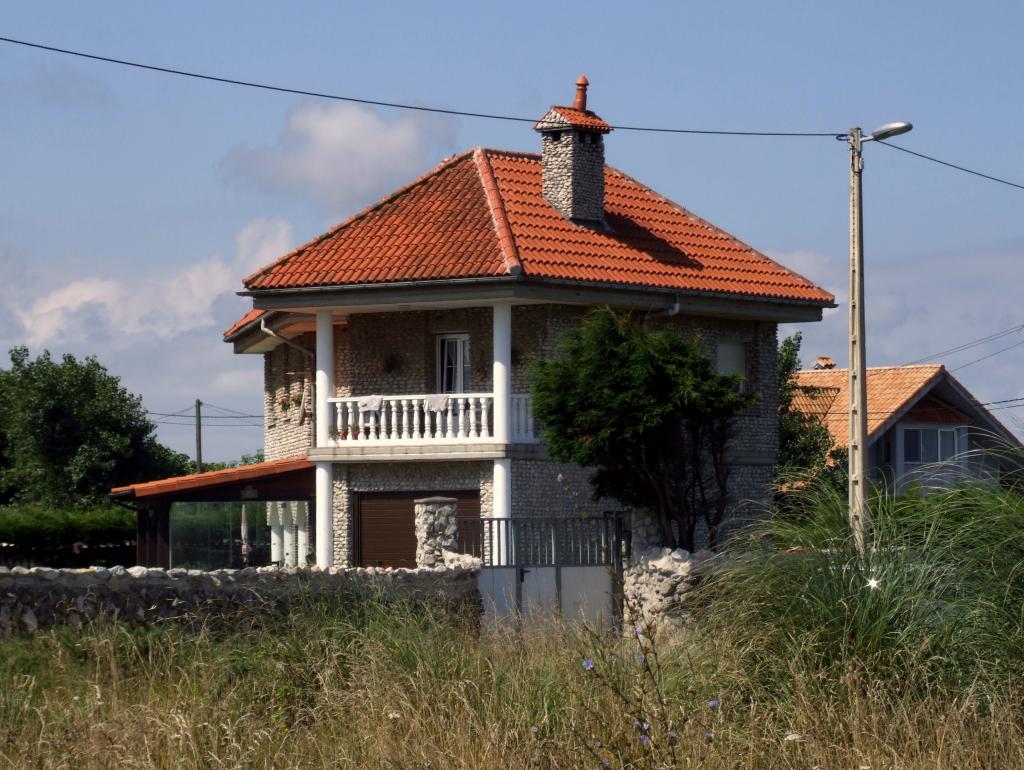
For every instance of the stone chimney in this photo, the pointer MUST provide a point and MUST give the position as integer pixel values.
(824, 362)
(572, 159)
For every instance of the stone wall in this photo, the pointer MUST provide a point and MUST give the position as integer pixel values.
(655, 590)
(39, 598)
(287, 375)
(351, 478)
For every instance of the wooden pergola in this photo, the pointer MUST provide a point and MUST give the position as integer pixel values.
(289, 479)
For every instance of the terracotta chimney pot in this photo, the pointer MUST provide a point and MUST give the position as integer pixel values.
(580, 103)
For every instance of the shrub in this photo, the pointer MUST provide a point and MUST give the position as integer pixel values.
(67, 538)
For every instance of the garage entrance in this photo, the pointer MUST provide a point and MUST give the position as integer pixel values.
(384, 522)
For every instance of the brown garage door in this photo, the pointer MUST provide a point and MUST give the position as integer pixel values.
(385, 535)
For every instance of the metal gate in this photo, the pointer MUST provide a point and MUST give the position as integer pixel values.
(539, 566)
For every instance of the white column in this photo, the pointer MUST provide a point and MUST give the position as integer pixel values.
(502, 344)
(324, 374)
(289, 534)
(302, 532)
(324, 516)
(502, 341)
(276, 533)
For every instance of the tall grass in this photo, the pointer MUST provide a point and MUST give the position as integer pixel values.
(793, 662)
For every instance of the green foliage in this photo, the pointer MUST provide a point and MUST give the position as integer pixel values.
(67, 538)
(937, 602)
(649, 412)
(69, 431)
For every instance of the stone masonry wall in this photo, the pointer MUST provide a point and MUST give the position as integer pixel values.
(572, 165)
(41, 598)
(350, 478)
(287, 375)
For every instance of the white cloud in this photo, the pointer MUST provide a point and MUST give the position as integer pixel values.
(343, 155)
(161, 305)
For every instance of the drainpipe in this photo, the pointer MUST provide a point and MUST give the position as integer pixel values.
(670, 311)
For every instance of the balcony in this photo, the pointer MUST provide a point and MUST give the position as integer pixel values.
(426, 420)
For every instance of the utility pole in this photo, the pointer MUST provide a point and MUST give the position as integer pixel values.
(858, 439)
(199, 436)
(859, 470)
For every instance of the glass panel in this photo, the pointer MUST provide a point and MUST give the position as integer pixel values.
(911, 446)
(947, 444)
(467, 378)
(449, 354)
(732, 358)
(930, 445)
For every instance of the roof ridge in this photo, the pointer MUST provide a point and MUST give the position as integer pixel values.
(496, 204)
(875, 368)
(714, 228)
(442, 166)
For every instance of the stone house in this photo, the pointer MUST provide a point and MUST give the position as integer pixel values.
(924, 426)
(397, 344)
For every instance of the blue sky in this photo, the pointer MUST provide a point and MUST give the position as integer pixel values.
(132, 203)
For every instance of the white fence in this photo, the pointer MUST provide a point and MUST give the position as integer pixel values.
(427, 418)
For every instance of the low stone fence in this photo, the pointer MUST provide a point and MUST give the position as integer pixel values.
(40, 598)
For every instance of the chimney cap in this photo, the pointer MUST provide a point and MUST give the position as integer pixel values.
(580, 102)
(824, 362)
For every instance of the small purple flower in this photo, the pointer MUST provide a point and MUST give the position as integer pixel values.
(645, 726)
(598, 744)
(714, 703)
(645, 739)
(639, 630)
(673, 734)
(605, 763)
(641, 658)
(588, 664)
(709, 736)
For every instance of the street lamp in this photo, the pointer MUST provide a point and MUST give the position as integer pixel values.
(860, 519)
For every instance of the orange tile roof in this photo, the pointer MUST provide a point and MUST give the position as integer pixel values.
(482, 214)
(213, 478)
(890, 389)
(245, 320)
(576, 118)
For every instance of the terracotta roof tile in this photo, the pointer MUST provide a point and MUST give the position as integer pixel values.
(890, 389)
(482, 214)
(574, 118)
(244, 321)
(213, 478)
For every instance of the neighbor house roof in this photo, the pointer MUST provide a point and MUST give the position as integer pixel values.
(482, 214)
(197, 481)
(894, 393)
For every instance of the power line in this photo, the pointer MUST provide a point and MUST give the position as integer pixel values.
(220, 425)
(967, 345)
(952, 165)
(239, 416)
(990, 355)
(378, 102)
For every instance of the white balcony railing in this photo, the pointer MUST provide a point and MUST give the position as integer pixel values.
(459, 418)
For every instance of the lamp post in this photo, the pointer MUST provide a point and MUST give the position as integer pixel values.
(860, 519)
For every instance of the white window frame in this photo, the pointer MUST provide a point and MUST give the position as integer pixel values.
(959, 438)
(463, 373)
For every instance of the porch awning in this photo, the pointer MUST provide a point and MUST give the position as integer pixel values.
(291, 478)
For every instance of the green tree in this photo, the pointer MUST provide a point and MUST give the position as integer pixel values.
(69, 431)
(648, 412)
(806, 446)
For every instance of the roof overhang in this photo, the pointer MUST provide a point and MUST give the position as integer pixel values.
(470, 292)
(287, 479)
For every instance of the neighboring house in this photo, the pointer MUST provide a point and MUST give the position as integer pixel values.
(397, 344)
(923, 425)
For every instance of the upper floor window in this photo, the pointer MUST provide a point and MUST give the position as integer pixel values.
(453, 363)
(928, 445)
(731, 358)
